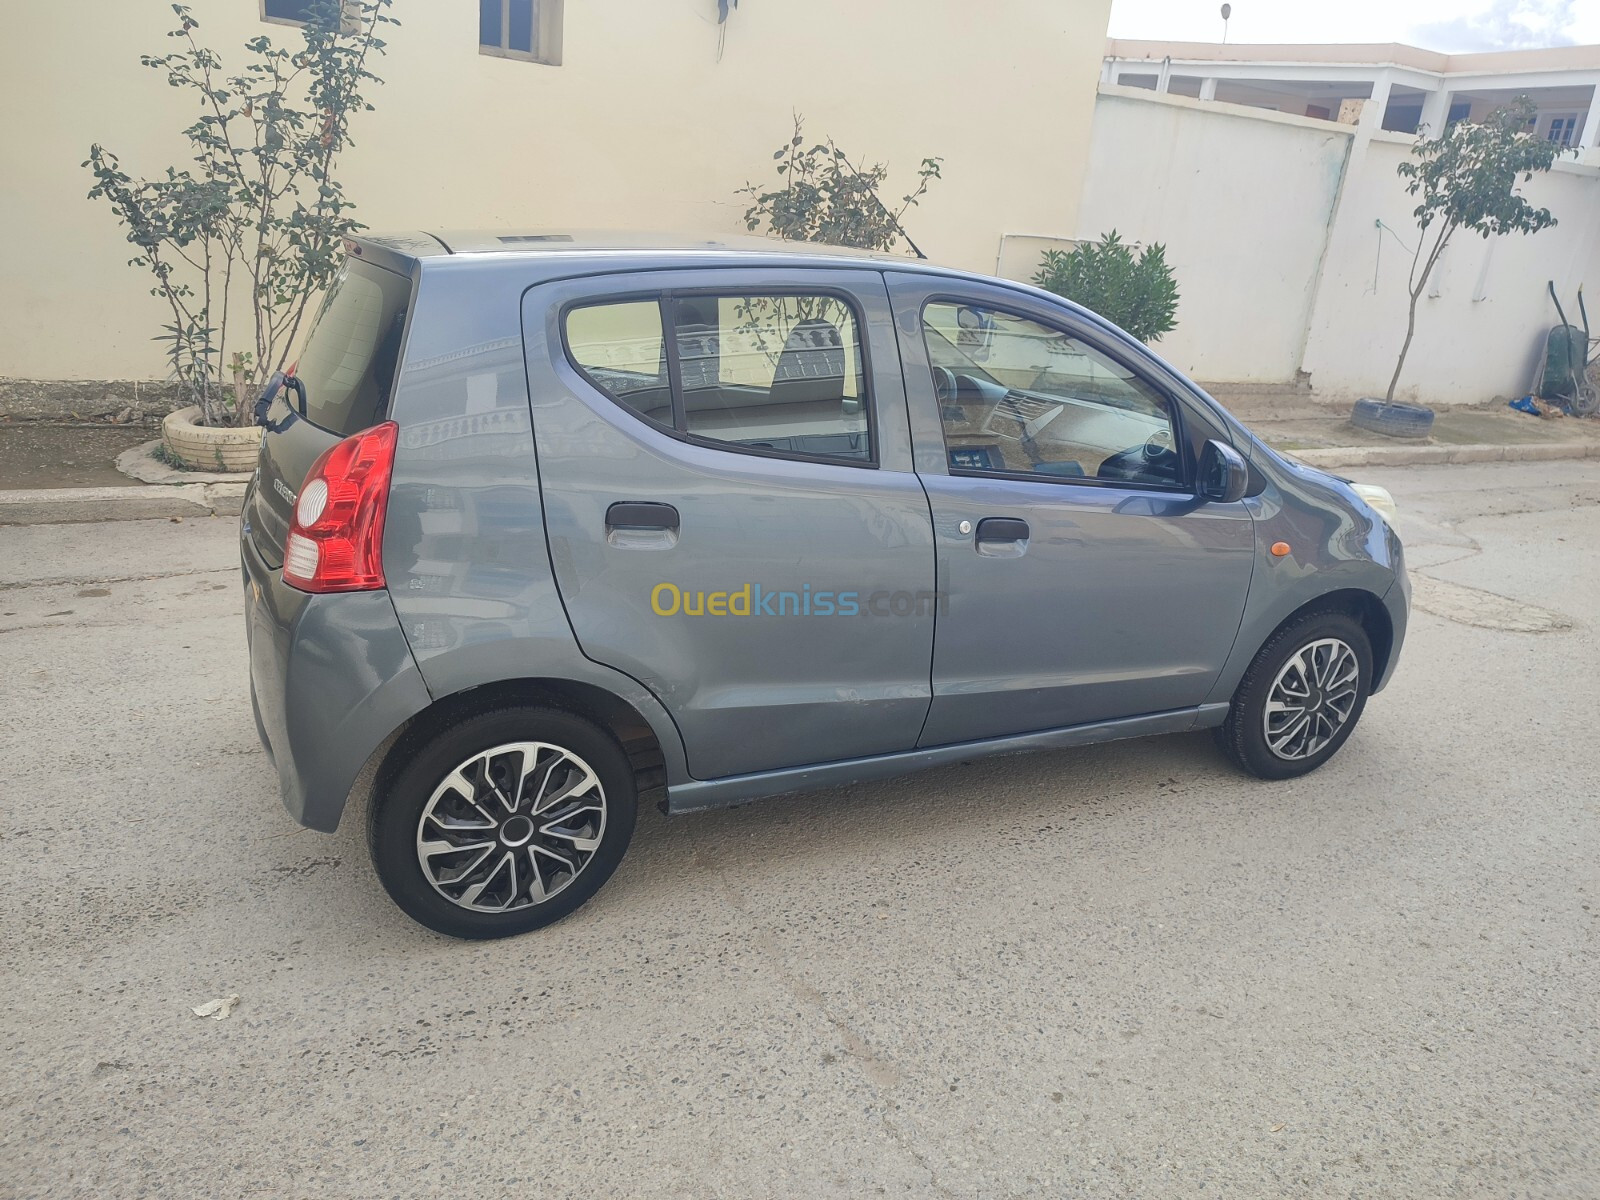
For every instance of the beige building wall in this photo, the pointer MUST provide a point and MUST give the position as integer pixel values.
(641, 127)
(1483, 318)
(1271, 227)
(1241, 198)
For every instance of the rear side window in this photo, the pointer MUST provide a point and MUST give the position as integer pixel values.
(350, 361)
(622, 349)
(765, 374)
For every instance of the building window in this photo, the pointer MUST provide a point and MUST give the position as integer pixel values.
(1563, 131)
(525, 29)
(298, 12)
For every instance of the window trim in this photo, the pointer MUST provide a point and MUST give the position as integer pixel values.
(666, 298)
(546, 35)
(1185, 486)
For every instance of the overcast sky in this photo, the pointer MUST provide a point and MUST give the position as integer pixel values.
(1449, 25)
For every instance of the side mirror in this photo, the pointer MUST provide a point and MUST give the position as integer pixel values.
(1224, 476)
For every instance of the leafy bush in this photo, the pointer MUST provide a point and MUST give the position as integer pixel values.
(827, 198)
(257, 217)
(1137, 293)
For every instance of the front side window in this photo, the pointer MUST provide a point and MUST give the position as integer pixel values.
(1020, 398)
(767, 374)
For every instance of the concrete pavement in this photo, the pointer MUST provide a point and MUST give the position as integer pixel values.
(1120, 971)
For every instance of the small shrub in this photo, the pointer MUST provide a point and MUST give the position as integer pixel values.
(242, 236)
(827, 198)
(1137, 293)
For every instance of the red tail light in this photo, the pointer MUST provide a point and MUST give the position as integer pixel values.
(335, 541)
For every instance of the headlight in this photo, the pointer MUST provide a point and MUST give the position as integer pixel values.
(1377, 498)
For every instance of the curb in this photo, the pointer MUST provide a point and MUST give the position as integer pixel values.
(1411, 456)
(138, 463)
(53, 506)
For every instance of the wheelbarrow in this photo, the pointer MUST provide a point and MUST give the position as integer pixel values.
(1564, 365)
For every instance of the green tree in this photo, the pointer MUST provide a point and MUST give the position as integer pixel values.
(1467, 179)
(825, 197)
(1137, 293)
(257, 216)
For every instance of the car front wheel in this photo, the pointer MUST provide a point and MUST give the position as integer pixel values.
(504, 822)
(1300, 698)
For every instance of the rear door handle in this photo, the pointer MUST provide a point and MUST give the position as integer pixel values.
(1001, 537)
(641, 525)
(638, 515)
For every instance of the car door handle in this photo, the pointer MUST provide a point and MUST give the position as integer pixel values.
(636, 515)
(1002, 529)
(1001, 537)
(642, 525)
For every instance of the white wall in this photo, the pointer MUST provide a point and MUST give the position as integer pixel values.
(1270, 224)
(1241, 200)
(640, 128)
(1471, 344)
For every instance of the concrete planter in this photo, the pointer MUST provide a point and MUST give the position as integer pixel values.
(209, 449)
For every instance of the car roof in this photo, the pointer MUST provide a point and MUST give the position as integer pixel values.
(399, 251)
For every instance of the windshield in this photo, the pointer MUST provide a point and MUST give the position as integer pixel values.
(350, 360)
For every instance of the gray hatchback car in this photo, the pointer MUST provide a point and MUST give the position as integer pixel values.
(546, 525)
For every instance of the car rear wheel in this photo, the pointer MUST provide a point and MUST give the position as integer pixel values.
(504, 822)
(1300, 698)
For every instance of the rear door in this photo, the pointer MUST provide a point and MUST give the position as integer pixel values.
(348, 369)
(732, 514)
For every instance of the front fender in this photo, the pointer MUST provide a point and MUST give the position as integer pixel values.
(1336, 543)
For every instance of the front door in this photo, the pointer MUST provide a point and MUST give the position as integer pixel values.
(732, 514)
(1084, 580)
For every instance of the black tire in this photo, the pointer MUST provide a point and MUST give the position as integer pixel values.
(1393, 420)
(1243, 735)
(397, 812)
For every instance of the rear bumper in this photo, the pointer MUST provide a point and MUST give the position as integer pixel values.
(331, 677)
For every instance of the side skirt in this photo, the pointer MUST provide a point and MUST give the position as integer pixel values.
(697, 795)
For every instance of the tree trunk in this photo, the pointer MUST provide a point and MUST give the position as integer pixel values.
(1411, 332)
(1417, 284)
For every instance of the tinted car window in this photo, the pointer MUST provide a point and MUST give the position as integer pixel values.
(1019, 397)
(349, 363)
(776, 373)
(622, 350)
(773, 374)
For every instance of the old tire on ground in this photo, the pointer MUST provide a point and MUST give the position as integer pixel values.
(504, 822)
(1393, 420)
(1300, 697)
(1586, 402)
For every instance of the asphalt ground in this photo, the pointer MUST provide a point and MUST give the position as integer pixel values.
(1117, 971)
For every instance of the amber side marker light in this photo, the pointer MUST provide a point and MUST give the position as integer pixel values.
(1279, 549)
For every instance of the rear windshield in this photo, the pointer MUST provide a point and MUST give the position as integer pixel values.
(349, 363)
